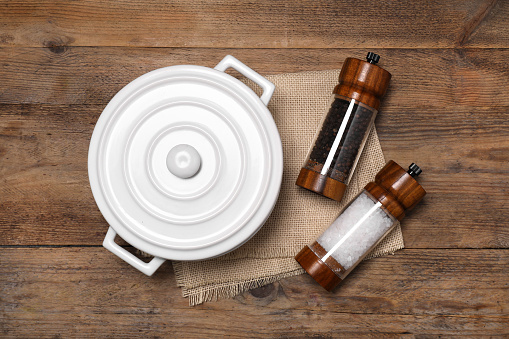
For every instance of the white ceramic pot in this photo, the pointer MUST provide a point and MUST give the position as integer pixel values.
(185, 163)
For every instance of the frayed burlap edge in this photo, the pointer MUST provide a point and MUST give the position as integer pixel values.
(201, 294)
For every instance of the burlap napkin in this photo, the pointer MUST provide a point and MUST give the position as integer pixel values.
(298, 104)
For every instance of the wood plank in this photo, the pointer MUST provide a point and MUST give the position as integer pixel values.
(87, 291)
(421, 78)
(260, 24)
(463, 147)
(46, 197)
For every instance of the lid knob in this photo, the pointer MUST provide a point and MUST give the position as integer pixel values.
(183, 161)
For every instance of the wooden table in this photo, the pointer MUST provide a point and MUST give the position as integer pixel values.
(447, 110)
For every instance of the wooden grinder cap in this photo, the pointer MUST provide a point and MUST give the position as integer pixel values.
(396, 188)
(363, 81)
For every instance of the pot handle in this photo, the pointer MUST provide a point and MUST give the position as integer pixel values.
(267, 86)
(147, 268)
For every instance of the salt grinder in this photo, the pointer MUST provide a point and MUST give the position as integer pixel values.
(344, 129)
(364, 222)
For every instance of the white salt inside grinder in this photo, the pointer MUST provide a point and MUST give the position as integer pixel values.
(356, 231)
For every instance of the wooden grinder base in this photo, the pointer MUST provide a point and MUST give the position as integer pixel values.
(317, 269)
(321, 184)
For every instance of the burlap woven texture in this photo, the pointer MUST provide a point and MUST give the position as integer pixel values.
(298, 104)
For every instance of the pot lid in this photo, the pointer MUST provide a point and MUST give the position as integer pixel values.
(185, 162)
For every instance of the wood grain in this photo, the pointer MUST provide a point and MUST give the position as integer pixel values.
(46, 198)
(88, 292)
(421, 78)
(486, 25)
(447, 109)
(260, 24)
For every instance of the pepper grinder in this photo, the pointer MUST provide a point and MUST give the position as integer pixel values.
(343, 131)
(369, 217)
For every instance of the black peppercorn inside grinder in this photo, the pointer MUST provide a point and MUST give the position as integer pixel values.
(345, 128)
